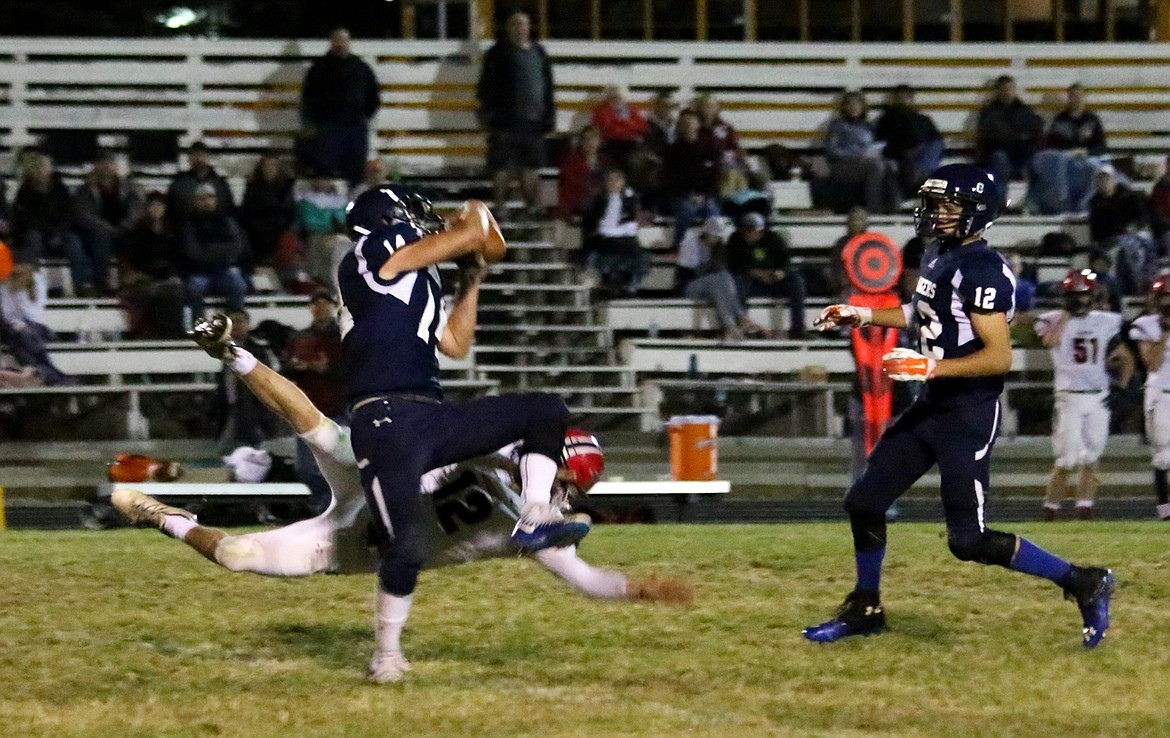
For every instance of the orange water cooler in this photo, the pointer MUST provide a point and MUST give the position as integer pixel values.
(694, 447)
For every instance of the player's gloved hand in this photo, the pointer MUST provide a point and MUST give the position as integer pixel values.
(672, 591)
(214, 335)
(907, 365)
(847, 315)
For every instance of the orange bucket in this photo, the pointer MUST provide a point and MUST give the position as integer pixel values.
(694, 447)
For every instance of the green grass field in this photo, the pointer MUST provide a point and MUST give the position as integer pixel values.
(127, 633)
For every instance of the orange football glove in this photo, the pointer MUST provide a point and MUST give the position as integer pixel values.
(907, 365)
(848, 315)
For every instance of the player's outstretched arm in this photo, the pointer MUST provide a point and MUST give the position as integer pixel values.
(855, 316)
(469, 231)
(606, 584)
(214, 335)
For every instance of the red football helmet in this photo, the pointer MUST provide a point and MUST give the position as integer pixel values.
(1079, 281)
(583, 459)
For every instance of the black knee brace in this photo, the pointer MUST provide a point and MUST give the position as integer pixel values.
(869, 529)
(984, 547)
(398, 574)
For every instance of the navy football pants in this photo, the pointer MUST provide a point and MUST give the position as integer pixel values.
(396, 440)
(958, 439)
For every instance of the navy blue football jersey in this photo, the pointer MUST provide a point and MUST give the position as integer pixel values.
(389, 328)
(954, 284)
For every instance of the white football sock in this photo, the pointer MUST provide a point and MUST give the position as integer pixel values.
(178, 526)
(392, 613)
(537, 474)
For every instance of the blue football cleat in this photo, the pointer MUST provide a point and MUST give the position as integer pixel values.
(1092, 588)
(535, 531)
(860, 615)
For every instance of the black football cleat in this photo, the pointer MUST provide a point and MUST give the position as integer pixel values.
(1092, 589)
(860, 615)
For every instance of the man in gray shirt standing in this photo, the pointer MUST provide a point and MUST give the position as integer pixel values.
(516, 107)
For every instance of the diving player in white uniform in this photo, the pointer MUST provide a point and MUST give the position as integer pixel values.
(475, 506)
(1079, 339)
(1151, 332)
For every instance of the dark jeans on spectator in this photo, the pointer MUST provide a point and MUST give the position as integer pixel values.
(341, 150)
(228, 284)
(97, 246)
(918, 163)
(621, 262)
(874, 179)
(791, 288)
(87, 263)
(27, 346)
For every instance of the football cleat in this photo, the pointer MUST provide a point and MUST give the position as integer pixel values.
(387, 666)
(214, 335)
(142, 509)
(860, 614)
(543, 526)
(1091, 588)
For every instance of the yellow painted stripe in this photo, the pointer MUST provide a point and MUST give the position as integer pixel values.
(3, 522)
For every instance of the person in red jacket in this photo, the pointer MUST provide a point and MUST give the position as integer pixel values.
(622, 125)
(582, 175)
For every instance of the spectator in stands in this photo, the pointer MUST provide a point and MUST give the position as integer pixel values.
(515, 94)
(912, 141)
(321, 220)
(610, 230)
(1025, 285)
(1160, 210)
(268, 212)
(211, 244)
(245, 420)
(23, 333)
(1062, 172)
(312, 360)
(582, 175)
(1108, 291)
(106, 206)
(621, 125)
(645, 170)
(151, 293)
(690, 176)
(759, 261)
(738, 181)
(836, 281)
(856, 165)
(43, 219)
(339, 98)
(1007, 134)
(703, 272)
(181, 194)
(1119, 219)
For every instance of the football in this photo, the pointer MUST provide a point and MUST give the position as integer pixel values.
(494, 246)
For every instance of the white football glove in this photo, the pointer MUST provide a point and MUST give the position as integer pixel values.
(847, 315)
(907, 365)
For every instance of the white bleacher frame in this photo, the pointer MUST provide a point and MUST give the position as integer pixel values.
(242, 94)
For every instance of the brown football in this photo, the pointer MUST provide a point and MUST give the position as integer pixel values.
(494, 246)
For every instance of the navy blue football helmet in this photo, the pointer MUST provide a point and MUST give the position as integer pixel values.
(972, 187)
(390, 203)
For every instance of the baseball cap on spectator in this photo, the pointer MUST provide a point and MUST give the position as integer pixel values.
(205, 188)
(712, 227)
(752, 222)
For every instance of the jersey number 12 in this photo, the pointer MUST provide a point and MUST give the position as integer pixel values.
(985, 298)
